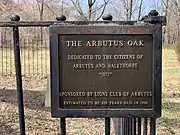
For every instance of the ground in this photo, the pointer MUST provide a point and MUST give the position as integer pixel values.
(38, 119)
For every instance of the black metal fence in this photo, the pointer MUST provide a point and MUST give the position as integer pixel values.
(33, 58)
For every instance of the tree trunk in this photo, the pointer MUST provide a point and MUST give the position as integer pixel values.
(140, 9)
(41, 11)
(130, 9)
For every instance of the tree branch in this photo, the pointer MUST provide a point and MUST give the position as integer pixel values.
(79, 10)
(140, 9)
(105, 4)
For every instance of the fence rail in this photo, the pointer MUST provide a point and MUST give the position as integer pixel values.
(48, 23)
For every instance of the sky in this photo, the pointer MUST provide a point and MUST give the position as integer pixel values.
(147, 5)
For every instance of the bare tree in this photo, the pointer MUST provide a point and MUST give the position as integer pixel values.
(103, 8)
(41, 4)
(92, 9)
(78, 8)
(140, 9)
(177, 7)
(90, 4)
(166, 32)
(126, 6)
(5, 9)
(126, 9)
(130, 9)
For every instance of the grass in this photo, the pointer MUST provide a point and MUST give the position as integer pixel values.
(38, 118)
(177, 49)
(169, 123)
(171, 71)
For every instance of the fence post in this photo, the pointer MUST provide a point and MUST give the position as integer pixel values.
(107, 126)
(17, 61)
(124, 126)
(62, 18)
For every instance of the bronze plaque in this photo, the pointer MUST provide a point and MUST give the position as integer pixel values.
(99, 71)
(106, 71)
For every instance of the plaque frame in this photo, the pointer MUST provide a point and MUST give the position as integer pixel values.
(56, 30)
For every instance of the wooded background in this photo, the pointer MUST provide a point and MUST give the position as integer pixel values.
(88, 10)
